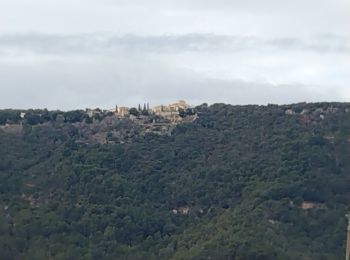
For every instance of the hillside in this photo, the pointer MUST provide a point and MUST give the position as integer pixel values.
(236, 182)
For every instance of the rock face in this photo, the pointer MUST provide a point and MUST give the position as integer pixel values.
(12, 129)
(181, 210)
(308, 205)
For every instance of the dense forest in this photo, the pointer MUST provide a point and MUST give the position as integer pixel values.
(239, 182)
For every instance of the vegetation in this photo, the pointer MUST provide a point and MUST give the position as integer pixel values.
(240, 182)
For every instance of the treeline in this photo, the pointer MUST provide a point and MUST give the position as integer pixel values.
(40, 116)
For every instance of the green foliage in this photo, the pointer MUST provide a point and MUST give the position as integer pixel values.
(9, 116)
(230, 185)
(39, 116)
(135, 112)
(74, 116)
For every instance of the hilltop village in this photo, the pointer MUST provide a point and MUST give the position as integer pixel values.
(172, 113)
(118, 125)
(123, 124)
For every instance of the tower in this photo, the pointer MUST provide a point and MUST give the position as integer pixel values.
(347, 255)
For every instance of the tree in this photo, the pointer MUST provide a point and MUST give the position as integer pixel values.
(182, 113)
(144, 110)
(32, 119)
(133, 111)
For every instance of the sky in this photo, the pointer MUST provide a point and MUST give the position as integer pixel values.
(70, 54)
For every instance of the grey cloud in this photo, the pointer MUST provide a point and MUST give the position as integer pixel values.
(266, 6)
(321, 44)
(109, 44)
(79, 85)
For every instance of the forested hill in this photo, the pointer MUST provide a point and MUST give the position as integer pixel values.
(239, 182)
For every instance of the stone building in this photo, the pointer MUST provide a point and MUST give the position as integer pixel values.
(122, 111)
(172, 108)
(22, 115)
(93, 112)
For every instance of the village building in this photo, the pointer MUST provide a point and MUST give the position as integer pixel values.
(22, 115)
(122, 111)
(290, 112)
(93, 112)
(305, 111)
(172, 108)
(172, 111)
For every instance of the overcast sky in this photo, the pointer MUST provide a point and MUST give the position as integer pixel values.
(70, 54)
